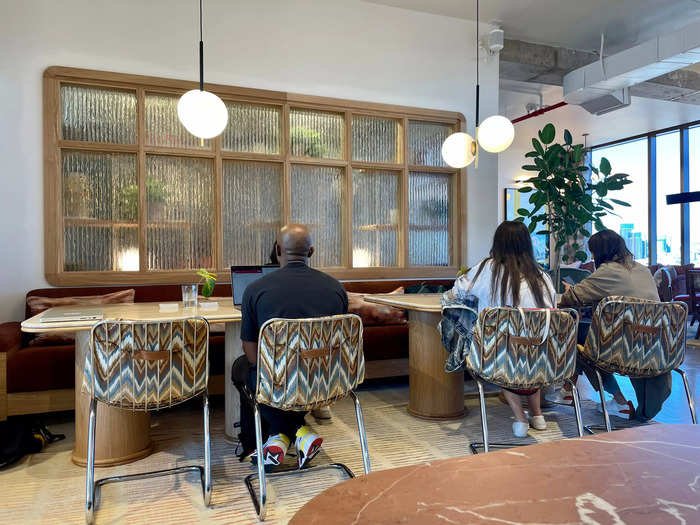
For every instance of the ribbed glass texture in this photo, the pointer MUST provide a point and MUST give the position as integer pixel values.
(179, 204)
(98, 115)
(425, 142)
(251, 210)
(376, 140)
(375, 218)
(100, 210)
(318, 134)
(163, 127)
(317, 194)
(252, 129)
(428, 219)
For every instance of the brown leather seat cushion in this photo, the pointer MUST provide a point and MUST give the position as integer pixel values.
(385, 342)
(40, 368)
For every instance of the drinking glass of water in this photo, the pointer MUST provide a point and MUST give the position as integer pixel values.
(189, 295)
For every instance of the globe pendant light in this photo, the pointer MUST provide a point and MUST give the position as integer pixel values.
(495, 134)
(202, 113)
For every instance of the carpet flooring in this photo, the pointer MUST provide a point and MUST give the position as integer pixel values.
(47, 488)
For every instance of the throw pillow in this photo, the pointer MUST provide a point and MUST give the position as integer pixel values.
(373, 314)
(38, 304)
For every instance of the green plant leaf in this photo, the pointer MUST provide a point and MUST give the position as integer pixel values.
(530, 167)
(525, 189)
(523, 212)
(568, 139)
(520, 219)
(605, 167)
(547, 134)
(538, 147)
(581, 256)
(532, 226)
(621, 203)
(531, 154)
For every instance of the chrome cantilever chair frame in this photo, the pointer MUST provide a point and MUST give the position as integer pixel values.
(261, 502)
(482, 401)
(606, 415)
(92, 487)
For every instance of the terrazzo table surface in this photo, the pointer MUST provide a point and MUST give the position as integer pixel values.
(644, 475)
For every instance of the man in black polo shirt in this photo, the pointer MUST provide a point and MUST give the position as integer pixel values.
(294, 291)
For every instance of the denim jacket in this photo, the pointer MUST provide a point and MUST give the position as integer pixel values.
(456, 328)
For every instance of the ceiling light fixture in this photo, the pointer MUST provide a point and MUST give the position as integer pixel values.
(202, 113)
(494, 135)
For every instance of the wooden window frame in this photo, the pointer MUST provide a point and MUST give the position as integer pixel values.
(56, 76)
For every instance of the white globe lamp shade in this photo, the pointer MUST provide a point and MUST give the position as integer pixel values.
(202, 113)
(496, 134)
(457, 150)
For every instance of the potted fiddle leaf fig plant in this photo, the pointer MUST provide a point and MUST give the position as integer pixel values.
(207, 280)
(567, 196)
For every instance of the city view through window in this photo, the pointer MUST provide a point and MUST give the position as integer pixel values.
(632, 223)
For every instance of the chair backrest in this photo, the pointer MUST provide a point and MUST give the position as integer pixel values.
(524, 348)
(664, 277)
(147, 365)
(692, 283)
(637, 337)
(309, 363)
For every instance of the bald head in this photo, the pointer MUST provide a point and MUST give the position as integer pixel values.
(294, 243)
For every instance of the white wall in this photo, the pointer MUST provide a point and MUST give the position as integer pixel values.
(347, 49)
(642, 116)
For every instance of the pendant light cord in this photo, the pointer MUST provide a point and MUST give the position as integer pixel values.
(477, 64)
(201, 50)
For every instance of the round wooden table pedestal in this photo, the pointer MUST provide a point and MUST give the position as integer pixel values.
(433, 393)
(121, 436)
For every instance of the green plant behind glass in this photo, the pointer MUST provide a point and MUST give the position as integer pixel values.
(156, 193)
(564, 200)
(207, 280)
(308, 140)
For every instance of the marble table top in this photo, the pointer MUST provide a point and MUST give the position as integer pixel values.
(221, 312)
(421, 302)
(645, 475)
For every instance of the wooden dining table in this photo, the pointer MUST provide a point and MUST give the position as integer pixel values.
(123, 436)
(433, 393)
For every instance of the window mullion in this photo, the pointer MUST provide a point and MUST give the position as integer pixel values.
(651, 163)
(403, 199)
(142, 211)
(347, 205)
(685, 186)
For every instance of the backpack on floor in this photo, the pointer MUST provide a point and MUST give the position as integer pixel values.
(21, 436)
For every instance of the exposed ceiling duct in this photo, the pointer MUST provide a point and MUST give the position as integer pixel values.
(604, 85)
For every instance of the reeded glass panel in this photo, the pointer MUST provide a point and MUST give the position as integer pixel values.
(163, 127)
(318, 134)
(694, 207)
(425, 142)
(100, 210)
(668, 181)
(251, 209)
(252, 129)
(179, 203)
(376, 140)
(317, 194)
(631, 222)
(98, 115)
(428, 219)
(375, 218)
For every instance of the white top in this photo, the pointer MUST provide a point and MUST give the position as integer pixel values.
(481, 288)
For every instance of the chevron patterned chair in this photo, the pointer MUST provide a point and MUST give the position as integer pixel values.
(522, 349)
(305, 364)
(637, 338)
(146, 365)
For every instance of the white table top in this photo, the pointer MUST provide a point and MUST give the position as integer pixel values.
(420, 302)
(225, 312)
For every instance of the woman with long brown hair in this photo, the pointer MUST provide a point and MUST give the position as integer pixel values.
(510, 276)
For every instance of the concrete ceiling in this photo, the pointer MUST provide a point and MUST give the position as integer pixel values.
(573, 24)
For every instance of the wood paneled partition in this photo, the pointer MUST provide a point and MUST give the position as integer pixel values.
(132, 197)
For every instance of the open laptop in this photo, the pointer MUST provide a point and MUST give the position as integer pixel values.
(76, 314)
(242, 276)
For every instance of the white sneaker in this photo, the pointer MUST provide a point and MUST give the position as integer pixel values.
(562, 397)
(621, 410)
(538, 423)
(520, 429)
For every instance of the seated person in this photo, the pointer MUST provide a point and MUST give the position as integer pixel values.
(616, 274)
(294, 291)
(511, 277)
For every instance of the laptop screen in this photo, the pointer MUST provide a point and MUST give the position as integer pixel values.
(242, 276)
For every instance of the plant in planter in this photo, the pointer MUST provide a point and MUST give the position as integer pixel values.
(207, 280)
(566, 200)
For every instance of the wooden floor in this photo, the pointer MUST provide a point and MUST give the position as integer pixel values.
(48, 488)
